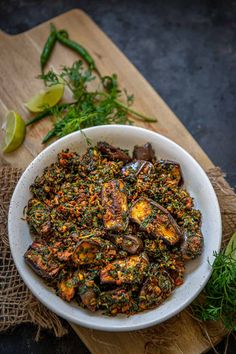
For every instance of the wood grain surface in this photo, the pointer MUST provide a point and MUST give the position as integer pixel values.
(19, 67)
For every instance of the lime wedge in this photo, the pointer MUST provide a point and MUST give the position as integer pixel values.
(46, 99)
(231, 247)
(15, 132)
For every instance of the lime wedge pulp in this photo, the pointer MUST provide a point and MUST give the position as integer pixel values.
(45, 99)
(15, 132)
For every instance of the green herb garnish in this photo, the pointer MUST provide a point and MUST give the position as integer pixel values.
(218, 300)
(89, 107)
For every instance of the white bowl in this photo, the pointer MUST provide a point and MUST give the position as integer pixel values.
(196, 182)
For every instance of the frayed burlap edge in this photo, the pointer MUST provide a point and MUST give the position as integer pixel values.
(20, 306)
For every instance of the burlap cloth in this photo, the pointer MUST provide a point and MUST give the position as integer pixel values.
(17, 303)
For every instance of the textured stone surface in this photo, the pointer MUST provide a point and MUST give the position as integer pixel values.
(187, 51)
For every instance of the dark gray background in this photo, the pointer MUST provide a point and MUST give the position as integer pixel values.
(187, 51)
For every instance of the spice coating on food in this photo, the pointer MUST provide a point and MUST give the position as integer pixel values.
(156, 220)
(110, 232)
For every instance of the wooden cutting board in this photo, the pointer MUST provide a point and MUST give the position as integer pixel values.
(19, 67)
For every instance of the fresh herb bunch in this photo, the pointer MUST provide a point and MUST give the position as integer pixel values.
(218, 300)
(89, 108)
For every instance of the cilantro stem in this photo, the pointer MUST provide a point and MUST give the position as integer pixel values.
(137, 114)
(130, 110)
(47, 112)
(49, 135)
(39, 116)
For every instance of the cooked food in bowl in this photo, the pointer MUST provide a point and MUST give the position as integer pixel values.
(112, 232)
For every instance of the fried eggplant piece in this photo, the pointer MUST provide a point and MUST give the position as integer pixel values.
(145, 152)
(156, 220)
(115, 301)
(132, 244)
(129, 243)
(192, 244)
(93, 251)
(150, 294)
(114, 202)
(85, 286)
(125, 271)
(66, 289)
(88, 291)
(155, 290)
(39, 257)
(38, 217)
(134, 168)
(170, 172)
(113, 153)
(172, 262)
(89, 299)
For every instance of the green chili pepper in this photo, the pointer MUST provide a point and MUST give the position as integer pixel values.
(64, 33)
(63, 38)
(48, 47)
(38, 117)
